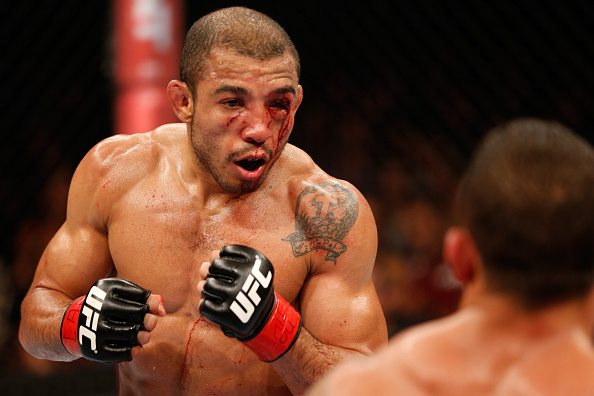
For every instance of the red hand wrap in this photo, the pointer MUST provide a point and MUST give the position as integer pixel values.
(70, 327)
(279, 333)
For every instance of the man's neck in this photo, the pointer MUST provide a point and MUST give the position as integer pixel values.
(500, 310)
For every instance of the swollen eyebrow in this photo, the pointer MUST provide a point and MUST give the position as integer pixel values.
(284, 90)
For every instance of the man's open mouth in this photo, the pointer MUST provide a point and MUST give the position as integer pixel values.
(250, 164)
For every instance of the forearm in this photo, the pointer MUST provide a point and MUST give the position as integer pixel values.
(41, 318)
(308, 361)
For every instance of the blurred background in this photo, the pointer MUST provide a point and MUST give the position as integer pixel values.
(397, 95)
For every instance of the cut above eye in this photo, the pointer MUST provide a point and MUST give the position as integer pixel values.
(250, 164)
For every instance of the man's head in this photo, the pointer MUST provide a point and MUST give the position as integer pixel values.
(244, 31)
(527, 200)
(239, 96)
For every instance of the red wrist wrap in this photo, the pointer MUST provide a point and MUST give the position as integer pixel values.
(279, 333)
(70, 327)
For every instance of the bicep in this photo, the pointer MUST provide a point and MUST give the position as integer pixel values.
(78, 254)
(73, 260)
(338, 314)
(339, 304)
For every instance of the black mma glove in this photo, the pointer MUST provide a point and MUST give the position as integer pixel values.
(112, 314)
(239, 296)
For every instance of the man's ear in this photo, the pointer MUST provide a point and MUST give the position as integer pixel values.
(461, 254)
(299, 96)
(181, 100)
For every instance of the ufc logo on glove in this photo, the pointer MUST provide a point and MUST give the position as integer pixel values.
(242, 307)
(112, 315)
(241, 299)
(95, 300)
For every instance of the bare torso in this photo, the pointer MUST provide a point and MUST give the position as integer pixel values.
(160, 230)
(152, 208)
(466, 355)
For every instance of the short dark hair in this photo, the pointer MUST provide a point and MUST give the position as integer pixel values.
(247, 32)
(527, 198)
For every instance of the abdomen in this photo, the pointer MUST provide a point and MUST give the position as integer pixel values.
(188, 355)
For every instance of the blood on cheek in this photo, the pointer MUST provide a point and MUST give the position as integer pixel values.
(230, 120)
(285, 127)
(284, 130)
(274, 115)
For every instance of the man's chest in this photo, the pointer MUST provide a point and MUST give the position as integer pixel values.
(161, 241)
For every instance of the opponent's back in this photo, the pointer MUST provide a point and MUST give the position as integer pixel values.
(468, 355)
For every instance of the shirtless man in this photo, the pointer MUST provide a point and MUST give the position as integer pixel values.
(523, 248)
(150, 208)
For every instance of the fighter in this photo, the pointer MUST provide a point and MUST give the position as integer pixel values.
(211, 256)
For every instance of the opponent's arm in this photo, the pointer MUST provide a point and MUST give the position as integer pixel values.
(75, 258)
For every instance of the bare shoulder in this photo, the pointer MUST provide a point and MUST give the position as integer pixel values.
(432, 352)
(402, 367)
(137, 152)
(562, 366)
(368, 375)
(122, 159)
(113, 166)
(331, 215)
(301, 171)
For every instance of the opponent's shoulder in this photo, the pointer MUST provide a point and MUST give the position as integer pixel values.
(430, 339)
(433, 351)
(376, 374)
(401, 367)
(561, 366)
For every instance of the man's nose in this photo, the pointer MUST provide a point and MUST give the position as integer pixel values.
(257, 130)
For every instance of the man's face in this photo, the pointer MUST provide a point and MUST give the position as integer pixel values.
(244, 112)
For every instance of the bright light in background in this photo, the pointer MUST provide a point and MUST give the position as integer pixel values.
(148, 38)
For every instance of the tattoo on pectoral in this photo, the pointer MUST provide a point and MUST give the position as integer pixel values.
(324, 215)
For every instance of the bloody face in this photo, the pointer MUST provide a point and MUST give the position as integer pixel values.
(244, 110)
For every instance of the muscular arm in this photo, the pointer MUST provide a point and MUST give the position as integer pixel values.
(75, 258)
(57, 282)
(342, 317)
